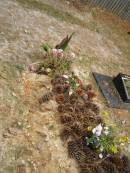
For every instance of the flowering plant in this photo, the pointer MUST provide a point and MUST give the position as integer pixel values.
(104, 141)
(55, 61)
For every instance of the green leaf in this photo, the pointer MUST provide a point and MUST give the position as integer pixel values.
(46, 47)
(106, 114)
(113, 148)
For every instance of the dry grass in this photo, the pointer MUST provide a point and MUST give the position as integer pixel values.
(51, 11)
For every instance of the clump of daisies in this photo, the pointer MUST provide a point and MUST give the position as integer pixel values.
(102, 139)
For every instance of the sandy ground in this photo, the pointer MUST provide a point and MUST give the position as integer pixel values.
(29, 133)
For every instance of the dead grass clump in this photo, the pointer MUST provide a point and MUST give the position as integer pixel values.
(126, 165)
(109, 167)
(97, 169)
(115, 159)
(65, 133)
(95, 108)
(21, 168)
(86, 170)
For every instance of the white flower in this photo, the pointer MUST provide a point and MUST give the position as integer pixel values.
(106, 132)
(106, 128)
(59, 50)
(70, 92)
(97, 130)
(60, 53)
(65, 76)
(100, 155)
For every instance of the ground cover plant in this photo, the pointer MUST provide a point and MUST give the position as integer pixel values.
(90, 141)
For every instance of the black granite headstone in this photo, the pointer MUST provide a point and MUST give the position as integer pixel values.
(122, 83)
(110, 92)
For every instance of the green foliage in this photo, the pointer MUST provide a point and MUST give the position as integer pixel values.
(113, 148)
(57, 63)
(72, 82)
(109, 142)
(103, 141)
(64, 66)
(46, 47)
(105, 114)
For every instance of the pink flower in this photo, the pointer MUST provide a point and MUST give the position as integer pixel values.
(54, 52)
(57, 52)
